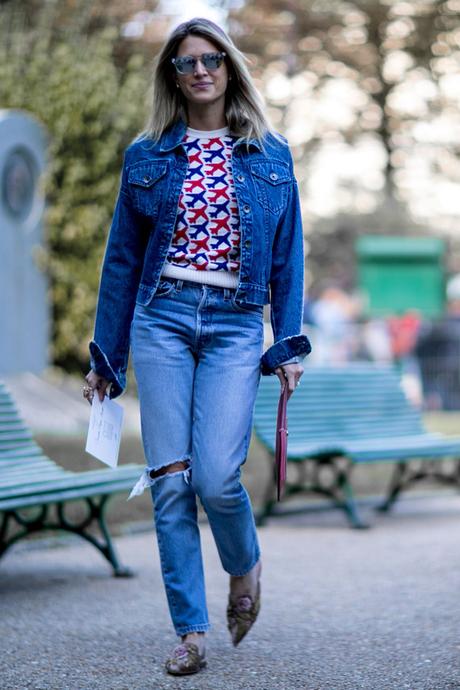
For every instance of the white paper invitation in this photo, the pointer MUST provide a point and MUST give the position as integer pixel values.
(104, 432)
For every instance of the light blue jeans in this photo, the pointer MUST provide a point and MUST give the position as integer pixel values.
(196, 356)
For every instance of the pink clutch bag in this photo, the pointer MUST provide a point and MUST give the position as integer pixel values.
(281, 441)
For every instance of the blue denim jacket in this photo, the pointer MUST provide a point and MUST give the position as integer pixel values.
(142, 227)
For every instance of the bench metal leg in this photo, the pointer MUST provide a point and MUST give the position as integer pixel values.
(397, 484)
(329, 477)
(105, 546)
(405, 474)
(269, 495)
(346, 501)
(42, 521)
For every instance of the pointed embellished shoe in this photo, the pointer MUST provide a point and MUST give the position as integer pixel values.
(186, 659)
(241, 615)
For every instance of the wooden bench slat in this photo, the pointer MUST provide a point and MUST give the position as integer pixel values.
(15, 434)
(28, 449)
(23, 463)
(68, 494)
(8, 445)
(13, 470)
(14, 482)
(23, 450)
(72, 480)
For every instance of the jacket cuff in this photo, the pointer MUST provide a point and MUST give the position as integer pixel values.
(101, 365)
(293, 360)
(283, 350)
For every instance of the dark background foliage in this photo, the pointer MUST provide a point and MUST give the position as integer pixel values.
(72, 65)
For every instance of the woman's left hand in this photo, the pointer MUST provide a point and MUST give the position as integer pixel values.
(289, 374)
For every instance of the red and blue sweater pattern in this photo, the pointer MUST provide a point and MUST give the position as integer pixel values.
(207, 232)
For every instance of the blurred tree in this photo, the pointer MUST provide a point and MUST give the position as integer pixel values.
(92, 108)
(367, 91)
(368, 94)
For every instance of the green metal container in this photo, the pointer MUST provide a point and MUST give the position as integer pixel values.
(398, 274)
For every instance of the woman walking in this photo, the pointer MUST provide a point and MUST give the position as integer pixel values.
(206, 229)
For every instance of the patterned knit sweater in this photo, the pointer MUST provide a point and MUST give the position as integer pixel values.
(205, 245)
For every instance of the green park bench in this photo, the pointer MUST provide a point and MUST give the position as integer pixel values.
(341, 416)
(35, 491)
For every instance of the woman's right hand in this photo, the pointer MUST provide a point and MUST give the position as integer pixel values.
(95, 383)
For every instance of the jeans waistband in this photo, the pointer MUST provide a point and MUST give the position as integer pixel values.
(180, 284)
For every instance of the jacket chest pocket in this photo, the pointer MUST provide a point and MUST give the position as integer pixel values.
(147, 185)
(271, 182)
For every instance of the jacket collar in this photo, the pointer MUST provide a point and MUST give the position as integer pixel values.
(173, 137)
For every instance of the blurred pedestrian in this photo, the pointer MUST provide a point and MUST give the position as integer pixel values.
(438, 351)
(334, 315)
(403, 331)
(375, 343)
(207, 225)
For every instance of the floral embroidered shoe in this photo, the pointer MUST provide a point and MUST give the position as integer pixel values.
(242, 614)
(186, 659)
(243, 603)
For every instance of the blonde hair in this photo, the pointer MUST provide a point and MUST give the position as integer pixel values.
(244, 108)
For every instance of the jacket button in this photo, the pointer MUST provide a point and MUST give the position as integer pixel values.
(240, 178)
(247, 243)
(146, 179)
(273, 176)
(246, 208)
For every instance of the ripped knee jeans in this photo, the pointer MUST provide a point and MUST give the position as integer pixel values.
(149, 476)
(196, 357)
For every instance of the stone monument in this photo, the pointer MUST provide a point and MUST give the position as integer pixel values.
(24, 311)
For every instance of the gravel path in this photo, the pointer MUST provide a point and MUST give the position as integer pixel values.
(342, 609)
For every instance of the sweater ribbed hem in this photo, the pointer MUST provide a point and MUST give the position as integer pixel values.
(224, 279)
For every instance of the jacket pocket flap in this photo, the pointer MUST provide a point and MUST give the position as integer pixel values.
(274, 173)
(145, 174)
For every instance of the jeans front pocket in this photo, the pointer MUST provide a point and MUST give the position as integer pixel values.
(246, 308)
(164, 288)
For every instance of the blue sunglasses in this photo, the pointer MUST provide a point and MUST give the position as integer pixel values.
(187, 63)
